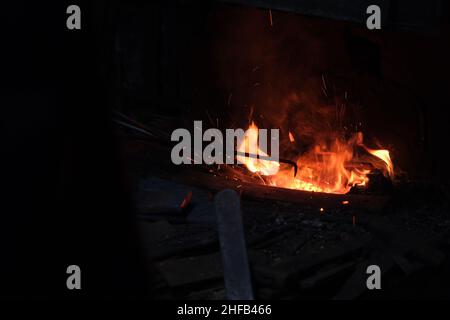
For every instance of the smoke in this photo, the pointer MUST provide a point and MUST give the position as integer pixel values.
(282, 75)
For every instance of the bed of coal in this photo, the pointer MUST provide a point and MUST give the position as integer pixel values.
(298, 244)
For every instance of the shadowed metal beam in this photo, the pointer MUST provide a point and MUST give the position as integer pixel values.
(419, 16)
(354, 11)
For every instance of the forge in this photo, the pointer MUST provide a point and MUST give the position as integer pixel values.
(360, 179)
(226, 150)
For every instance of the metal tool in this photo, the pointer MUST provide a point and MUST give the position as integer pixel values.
(250, 155)
(232, 245)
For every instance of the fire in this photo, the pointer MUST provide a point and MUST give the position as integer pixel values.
(328, 169)
(250, 145)
(385, 157)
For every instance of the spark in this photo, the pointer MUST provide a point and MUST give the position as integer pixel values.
(291, 137)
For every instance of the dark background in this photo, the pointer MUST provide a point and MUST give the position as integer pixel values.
(63, 198)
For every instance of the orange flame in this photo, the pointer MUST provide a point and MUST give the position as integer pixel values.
(385, 157)
(250, 145)
(323, 169)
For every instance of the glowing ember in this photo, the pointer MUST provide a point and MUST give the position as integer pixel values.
(325, 169)
(270, 18)
(291, 137)
(186, 200)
